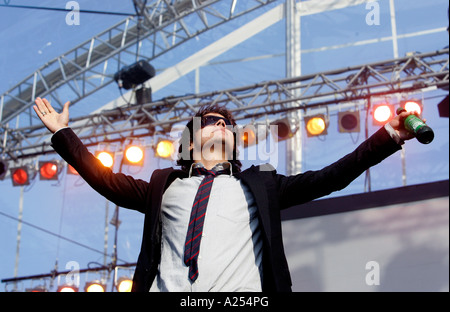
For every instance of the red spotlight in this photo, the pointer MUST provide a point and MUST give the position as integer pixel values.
(48, 170)
(71, 170)
(382, 114)
(21, 176)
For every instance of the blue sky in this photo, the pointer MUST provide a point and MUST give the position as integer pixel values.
(69, 208)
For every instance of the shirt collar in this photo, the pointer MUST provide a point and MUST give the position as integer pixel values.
(220, 166)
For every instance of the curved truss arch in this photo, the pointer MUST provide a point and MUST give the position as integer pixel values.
(90, 66)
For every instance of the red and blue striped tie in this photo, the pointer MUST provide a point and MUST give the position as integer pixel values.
(195, 228)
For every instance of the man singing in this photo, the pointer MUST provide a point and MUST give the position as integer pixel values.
(210, 226)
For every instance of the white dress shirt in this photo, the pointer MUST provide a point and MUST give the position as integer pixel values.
(230, 257)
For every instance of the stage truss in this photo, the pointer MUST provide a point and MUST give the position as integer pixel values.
(413, 73)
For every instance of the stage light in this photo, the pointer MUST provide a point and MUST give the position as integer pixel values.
(49, 170)
(71, 170)
(248, 136)
(252, 134)
(39, 288)
(164, 149)
(316, 125)
(134, 155)
(22, 175)
(143, 95)
(412, 106)
(382, 114)
(3, 169)
(282, 129)
(95, 286)
(135, 74)
(124, 284)
(67, 288)
(348, 122)
(106, 158)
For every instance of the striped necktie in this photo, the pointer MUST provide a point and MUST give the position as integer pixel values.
(195, 228)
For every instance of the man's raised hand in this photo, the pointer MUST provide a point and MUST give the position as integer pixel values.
(49, 117)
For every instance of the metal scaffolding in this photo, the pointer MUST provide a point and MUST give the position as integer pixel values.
(416, 72)
(161, 26)
(87, 68)
(158, 27)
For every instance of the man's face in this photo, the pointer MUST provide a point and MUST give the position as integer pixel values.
(215, 133)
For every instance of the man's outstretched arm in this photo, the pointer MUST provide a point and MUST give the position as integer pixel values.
(119, 188)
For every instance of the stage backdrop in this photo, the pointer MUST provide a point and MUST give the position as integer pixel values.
(391, 247)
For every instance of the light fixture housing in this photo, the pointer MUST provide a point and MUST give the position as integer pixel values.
(252, 134)
(164, 149)
(382, 114)
(124, 284)
(134, 75)
(22, 175)
(49, 170)
(282, 129)
(134, 155)
(248, 136)
(106, 158)
(349, 122)
(316, 125)
(95, 286)
(39, 288)
(143, 95)
(67, 288)
(412, 105)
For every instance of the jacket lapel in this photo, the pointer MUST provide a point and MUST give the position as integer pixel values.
(161, 180)
(253, 180)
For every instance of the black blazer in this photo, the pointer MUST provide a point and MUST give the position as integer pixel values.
(272, 192)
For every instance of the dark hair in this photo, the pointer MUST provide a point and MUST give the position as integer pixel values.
(188, 136)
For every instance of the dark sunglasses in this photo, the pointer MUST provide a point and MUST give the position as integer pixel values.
(212, 120)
